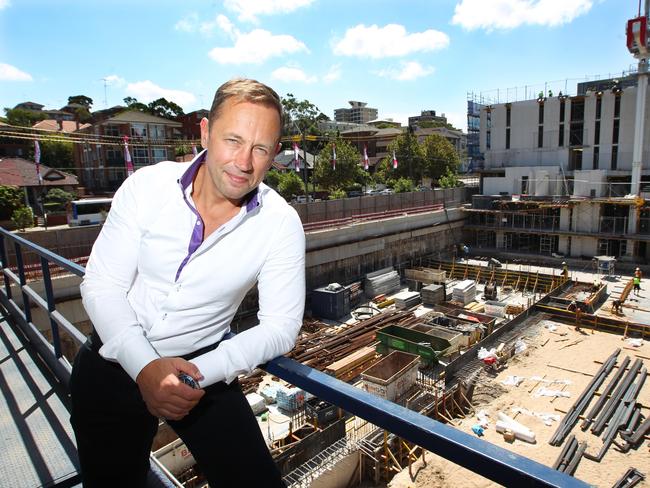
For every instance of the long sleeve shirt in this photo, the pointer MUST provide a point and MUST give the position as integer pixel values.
(154, 288)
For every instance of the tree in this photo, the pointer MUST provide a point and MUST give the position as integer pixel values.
(300, 114)
(348, 168)
(56, 152)
(410, 157)
(337, 194)
(133, 104)
(272, 178)
(23, 217)
(440, 155)
(449, 179)
(11, 198)
(82, 100)
(164, 108)
(403, 185)
(22, 117)
(57, 199)
(290, 184)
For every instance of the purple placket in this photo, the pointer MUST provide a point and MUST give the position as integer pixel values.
(197, 232)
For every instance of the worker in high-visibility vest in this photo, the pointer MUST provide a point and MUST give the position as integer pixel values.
(565, 270)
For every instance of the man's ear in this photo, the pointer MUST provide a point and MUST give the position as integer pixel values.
(279, 148)
(205, 132)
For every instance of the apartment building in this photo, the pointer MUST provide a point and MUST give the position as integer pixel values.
(557, 176)
(358, 113)
(101, 166)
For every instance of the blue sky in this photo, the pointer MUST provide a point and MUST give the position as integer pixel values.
(399, 56)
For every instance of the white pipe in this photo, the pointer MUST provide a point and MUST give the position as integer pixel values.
(639, 123)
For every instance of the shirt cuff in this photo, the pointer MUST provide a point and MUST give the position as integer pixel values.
(135, 354)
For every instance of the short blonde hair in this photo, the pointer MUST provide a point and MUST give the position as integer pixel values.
(245, 90)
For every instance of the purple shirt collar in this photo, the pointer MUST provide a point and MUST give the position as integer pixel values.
(252, 202)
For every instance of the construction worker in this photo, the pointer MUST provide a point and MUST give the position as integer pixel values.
(637, 273)
(565, 270)
(617, 307)
(637, 284)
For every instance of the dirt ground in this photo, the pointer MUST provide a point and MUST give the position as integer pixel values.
(573, 351)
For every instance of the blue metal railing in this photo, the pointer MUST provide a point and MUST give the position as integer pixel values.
(488, 460)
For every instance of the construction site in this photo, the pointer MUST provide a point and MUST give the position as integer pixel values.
(517, 354)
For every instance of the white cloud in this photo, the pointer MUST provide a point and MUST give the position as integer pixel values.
(388, 41)
(457, 119)
(333, 74)
(256, 47)
(225, 25)
(11, 73)
(508, 14)
(4, 4)
(410, 70)
(115, 80)
(248, 10)
(188, 23)
(287, 73)
(147, 91)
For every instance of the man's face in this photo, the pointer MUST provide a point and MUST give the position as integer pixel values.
(242, 142)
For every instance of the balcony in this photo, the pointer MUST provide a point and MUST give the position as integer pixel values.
(18, 297)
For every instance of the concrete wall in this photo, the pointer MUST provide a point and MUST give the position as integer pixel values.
(340, 476)
(586, 217)
(542, 181)
(586, 181)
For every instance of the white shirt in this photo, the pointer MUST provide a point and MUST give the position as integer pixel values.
(149, 294)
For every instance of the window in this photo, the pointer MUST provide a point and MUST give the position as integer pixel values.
(617, 106)
(597, 133)
(596, 157)
(508, 110)
(508, 138)
(156, 131)
(562, 110)
(540, 136)
(615, 131)
(488, 140)
(614, 157)
(140, 156)
(112, 130)
(599, 106)
(561, 136)
(138, 130)
(524, 184)
(114, 155)
(540, 113)
(158, 154)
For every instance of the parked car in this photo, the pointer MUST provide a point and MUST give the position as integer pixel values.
(355, 193)
(373, 191)
(387, 191)
(303, 199)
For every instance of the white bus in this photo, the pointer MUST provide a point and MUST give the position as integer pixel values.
(90, 211)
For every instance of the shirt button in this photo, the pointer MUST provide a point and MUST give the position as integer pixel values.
(198, 224)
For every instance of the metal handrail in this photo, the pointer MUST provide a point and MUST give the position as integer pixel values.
(486, 459)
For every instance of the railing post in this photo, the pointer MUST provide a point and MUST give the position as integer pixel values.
(5, 264)
(51, 307)
(23, 281)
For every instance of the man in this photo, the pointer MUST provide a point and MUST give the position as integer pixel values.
(182, 245)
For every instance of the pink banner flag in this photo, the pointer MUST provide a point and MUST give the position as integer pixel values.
(194, 151)
(127, 157)
(333, 156)
(365, 157)
(394, 160)
(37, 160)
(296, 156)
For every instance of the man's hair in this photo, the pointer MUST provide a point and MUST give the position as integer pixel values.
(245, 90)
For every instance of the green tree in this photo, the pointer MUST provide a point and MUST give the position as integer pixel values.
(337, 194)
(11, 198)
(440, 155)
(23, 217)
(57, 199)
(164, 108)
(403, 185)
(290, 184)
(348, 168)
(56, 152)
(22, 117)
(449, 179)
(410, 158)
(133, 104)
(272, 178)
(82, 100)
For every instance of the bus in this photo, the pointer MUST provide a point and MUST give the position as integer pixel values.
(90, 211)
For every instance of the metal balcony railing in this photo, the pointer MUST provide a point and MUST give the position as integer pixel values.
(498, 464)
(613, 225)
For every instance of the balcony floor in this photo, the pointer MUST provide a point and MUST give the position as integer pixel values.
(38, 442)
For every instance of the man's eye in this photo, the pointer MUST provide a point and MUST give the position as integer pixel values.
(261, 151)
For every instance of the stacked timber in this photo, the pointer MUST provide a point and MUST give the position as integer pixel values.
(357, 360)
(406, 299)
(425, 275)
(381, 282)
(433, 294)
(356, 293)
(464, 292)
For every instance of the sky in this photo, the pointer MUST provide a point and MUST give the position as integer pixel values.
(399, 56)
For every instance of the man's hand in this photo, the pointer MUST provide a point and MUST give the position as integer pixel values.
(164, 394)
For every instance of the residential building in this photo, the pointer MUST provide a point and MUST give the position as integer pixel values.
(358, 113)
(100, 160)
(190, 122)
(558, 177)
(427, 116)
(375, 140)
(334, 126)
(22, 173)
(456, 138)
(474, 154)
(50, 114)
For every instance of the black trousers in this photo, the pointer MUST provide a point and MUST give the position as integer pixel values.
(114, 430)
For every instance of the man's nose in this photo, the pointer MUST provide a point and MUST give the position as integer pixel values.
(244, 159)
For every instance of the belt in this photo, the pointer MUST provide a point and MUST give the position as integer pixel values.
(95, 343)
